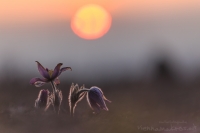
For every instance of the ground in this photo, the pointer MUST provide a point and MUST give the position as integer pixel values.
(135, 108)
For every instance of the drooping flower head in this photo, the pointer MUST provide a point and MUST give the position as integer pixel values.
(43, 99)
(76, 94)
(48, 75)
(96, 99)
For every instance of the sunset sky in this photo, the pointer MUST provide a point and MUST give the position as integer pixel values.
(142, 32)
(12, 11)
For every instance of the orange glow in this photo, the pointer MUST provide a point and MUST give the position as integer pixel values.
(14, 12)
(91, 22)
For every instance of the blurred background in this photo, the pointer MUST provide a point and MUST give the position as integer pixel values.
(151, 52)
(145, 37)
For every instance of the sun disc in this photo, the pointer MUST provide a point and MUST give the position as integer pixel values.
(91, 22)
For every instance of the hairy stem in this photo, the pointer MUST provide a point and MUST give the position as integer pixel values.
(72, 110)
(54, 94)
(53, 86)
(81, 91)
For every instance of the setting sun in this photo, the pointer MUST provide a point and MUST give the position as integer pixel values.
(91, 22)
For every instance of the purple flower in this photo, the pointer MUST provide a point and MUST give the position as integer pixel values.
(96, 99)
(76, 94)
(43, 99)
(48, 75)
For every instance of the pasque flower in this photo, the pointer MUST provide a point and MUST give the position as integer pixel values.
(51, 76)
(43, 99)
(76, 94)
(96, 99)
(48, 75)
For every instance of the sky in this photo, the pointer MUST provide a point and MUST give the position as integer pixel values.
(142, 33)
(12, 11)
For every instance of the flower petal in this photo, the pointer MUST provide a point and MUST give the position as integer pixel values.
(65, 69)
(96, 97)
(43, 71)
(33, 80)
(102, 94)
(106, 99)
(38, 82)
(57, 81)
(56, 71)
(92, 104)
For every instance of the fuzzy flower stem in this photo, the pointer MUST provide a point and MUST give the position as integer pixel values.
(72, 111)
(53, 86)
(83, 90)
(73, 107)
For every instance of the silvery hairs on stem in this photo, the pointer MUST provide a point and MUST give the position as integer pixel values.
(76, 94)
(43, 100)
(56, 100)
